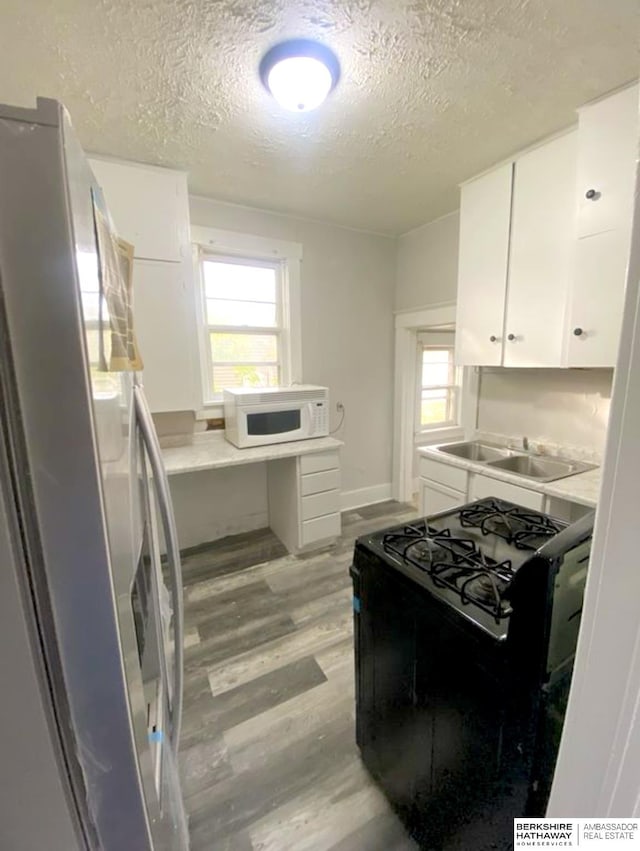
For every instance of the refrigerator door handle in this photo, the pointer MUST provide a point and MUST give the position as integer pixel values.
(150, 439)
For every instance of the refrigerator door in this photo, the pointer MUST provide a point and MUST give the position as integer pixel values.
(171, 602)
(77, 469)
(27, 735)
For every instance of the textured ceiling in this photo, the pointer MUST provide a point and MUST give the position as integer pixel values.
(431, 92)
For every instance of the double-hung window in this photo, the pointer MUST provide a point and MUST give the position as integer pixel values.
(249, 314)
(438, 385)
(243, 310)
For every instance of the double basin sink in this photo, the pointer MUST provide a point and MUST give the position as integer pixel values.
(526, 464)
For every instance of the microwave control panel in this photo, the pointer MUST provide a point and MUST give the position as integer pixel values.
(320, 417)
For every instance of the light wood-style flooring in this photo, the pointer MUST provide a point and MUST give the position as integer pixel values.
(268, 754)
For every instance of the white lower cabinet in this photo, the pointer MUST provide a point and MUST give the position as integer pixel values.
(435, 497)
(441, 487)
(481, 487)
(452, 477)
(304, 499)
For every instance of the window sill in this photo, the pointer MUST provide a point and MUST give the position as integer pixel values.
(438, 435)
(210, 412)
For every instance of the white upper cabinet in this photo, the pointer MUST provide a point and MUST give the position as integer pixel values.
(607, 153)
(149, 207)
(606, 162)
(544, 247)
(516, 236)
(596, 301)
(541, 253)
(163, 310)
(482, 267)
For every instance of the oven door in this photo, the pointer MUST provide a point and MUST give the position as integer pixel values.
(260, 425)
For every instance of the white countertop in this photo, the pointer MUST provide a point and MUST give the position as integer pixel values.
(582, 488)
(211, 451)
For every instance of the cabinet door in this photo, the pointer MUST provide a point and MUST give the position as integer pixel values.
(484, 486)
(485, 211)
(541, 253)
(592, 329)
(435, 497)
(149, 207)
(608, 141)
(163, 310)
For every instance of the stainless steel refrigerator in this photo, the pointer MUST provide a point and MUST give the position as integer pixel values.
(90, 615)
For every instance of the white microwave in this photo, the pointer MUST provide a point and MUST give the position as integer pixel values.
(257, 417)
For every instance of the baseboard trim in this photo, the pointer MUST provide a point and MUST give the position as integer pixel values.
(365, 496)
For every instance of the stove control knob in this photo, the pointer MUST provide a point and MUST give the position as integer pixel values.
(511, 337)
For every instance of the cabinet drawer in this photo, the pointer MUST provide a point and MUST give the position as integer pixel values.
(318, 461)
(320, 528)
(453, 477)
(320, 503)
(317, 482)
(484, 486)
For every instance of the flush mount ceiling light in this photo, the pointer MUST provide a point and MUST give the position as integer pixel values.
(299, 73)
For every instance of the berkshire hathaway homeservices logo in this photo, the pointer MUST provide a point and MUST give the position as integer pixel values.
(605, 834)
(544, 833)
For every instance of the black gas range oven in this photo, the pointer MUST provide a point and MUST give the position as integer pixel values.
(465, 633)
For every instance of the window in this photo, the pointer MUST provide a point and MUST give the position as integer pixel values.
(438, 387)
(249, 309)
(242, 307)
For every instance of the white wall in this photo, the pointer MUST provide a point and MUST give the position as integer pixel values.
(214, 503)
(347, 326)
(347, 292)
(427, 267)
(569, 407)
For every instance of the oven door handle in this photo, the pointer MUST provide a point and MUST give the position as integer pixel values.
(150, 440)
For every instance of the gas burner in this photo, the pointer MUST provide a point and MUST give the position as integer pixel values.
(425, 550)
(455, 563)
(486, 588)
(526, 530)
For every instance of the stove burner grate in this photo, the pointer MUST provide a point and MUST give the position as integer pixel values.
(456, 563)
(521, 527)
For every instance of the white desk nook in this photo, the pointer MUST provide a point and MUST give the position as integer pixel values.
(303, 482)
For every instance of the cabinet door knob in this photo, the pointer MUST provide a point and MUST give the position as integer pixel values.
(493, 338)
(511, 337)
(578, 332)
(592, 194)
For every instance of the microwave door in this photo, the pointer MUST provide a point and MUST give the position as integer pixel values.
(281, 421)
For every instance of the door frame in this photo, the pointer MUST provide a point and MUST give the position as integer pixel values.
(407, 325)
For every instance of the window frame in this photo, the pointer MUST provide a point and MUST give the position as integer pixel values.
(272, 330)
(240, 247)
(455, 389)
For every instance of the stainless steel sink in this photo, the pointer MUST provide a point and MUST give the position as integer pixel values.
(539, 468)
(476, 451)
